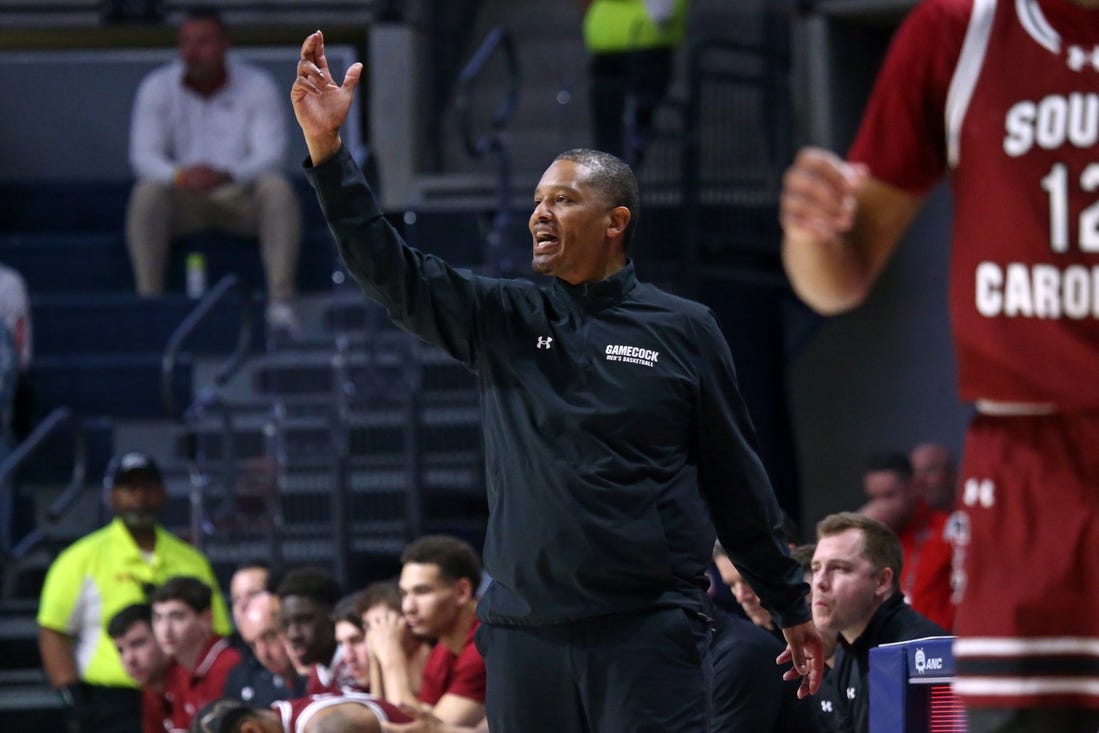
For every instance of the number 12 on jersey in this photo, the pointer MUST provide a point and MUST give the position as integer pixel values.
(1056, 185)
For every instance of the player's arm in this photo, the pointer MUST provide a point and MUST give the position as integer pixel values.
(840, 227)
(394, 678)
(425, 722)
(458, 710)
(388, 659)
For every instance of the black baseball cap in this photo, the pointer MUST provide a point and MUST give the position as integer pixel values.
(131, 462)
(218, 716)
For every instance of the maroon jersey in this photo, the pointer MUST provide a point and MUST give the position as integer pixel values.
(296, 714)
(153, 714)
(187, 691)
(928, 558)
(461, 674)
(1004, 95)
(334, 678)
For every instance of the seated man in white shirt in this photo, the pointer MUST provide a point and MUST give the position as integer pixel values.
(207, 143)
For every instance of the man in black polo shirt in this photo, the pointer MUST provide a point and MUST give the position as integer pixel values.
(857, 597)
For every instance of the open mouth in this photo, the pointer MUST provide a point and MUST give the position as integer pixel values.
(545, 242)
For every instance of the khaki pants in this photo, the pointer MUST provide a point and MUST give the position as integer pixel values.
(266, 208)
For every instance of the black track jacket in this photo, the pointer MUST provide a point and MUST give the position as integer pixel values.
(614, 430)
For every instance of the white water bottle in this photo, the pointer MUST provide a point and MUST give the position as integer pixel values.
(196, 274)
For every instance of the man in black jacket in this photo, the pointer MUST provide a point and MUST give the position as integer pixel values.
(745, 700)
(615, 441)
(266, 673)
(857, 597)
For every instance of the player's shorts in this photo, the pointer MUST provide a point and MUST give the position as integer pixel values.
(1026, 564)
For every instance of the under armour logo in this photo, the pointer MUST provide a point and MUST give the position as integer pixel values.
(1079, 57)
(544, 342)
(850, 693)
(826, 705)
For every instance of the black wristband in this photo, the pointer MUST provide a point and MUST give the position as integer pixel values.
(72, 695)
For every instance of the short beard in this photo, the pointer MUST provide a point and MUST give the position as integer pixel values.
(138, 520)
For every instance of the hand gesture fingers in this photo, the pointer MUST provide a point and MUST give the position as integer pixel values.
(312, 69)
(818, 195)
(320, 104)
(806, 650)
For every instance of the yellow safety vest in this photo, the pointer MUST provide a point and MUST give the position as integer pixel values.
(625, 25)
(102, 573)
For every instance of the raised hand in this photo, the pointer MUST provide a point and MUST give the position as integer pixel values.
(321, 105)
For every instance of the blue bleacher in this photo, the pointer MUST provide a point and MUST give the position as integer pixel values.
(122, 323)
(119, 385)
(97, 344)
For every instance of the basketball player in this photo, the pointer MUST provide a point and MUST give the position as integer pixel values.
(1001, 95)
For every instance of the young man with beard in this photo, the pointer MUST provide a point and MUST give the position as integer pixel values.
(439, 580)
(98, 576)
(307, 597)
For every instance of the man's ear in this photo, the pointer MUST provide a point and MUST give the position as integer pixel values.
(885, 583)
(206, 616)
(619, 219)
(251, 725)
(464, 589)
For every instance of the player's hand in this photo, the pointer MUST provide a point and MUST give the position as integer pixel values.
(818, 196)
(423, 721)
(805, 649)
(321, 105)
(386, 630)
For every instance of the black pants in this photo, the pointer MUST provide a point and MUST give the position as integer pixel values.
(1033, 720)
(624, 92)
(640, 672)
(107, 710)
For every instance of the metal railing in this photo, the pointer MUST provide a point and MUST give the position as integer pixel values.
(61, 418)
(493, 141)
(185, 330)
(209, 397)
(725, 75)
